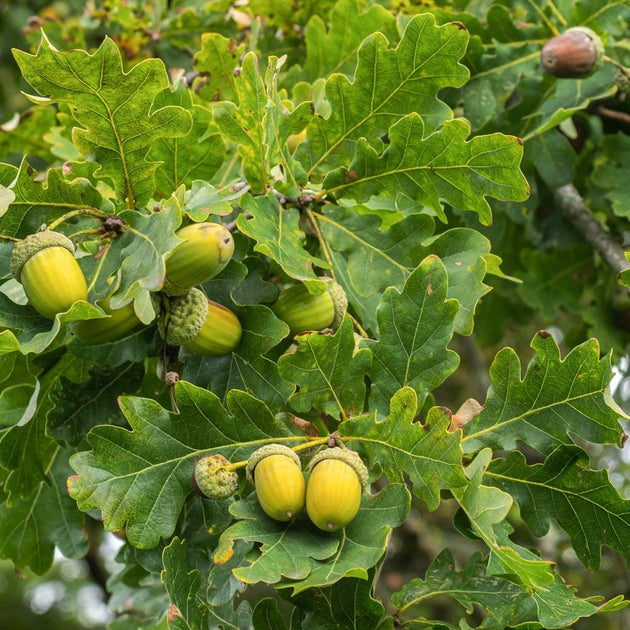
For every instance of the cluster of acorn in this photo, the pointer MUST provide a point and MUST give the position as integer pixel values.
(45, 264)
(337, 479)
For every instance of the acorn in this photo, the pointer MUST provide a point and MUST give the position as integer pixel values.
(575, 54)
(338, 477)
(302, 311)
(199, 324)
(276, 473)
(95, 331)
(45, 265)
(212, 480)
(204, 252)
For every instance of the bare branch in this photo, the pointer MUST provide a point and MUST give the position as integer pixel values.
(575, 209)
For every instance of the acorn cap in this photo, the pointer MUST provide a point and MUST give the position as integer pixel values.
(575, 54)
(340, 302)
(26, 248)
(346, 455)
(266, 451)
(212, 480)
(185, 317)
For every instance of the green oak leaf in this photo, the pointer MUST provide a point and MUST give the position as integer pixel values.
(415, 327)
(387, 84)
(504, 602)
(334, 50)
(428, 454)
(216, 62)
(117, 123)
(582, 501)
(556, 398)
(243, 123)
(300, 556)
(183, 159)
(185, 589)
(77, 407)
(26, 450)
(486, 509)
(349, 603)
(444, 166)
(31, 528)
(609, 174)
(36, 201)
(246, 367)
(278, 235)
(139, 482)
(329, 373)
(22, 134)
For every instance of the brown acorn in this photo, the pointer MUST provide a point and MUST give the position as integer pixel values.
(575, 54)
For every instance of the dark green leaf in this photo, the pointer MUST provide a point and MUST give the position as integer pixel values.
(114, 109)
(556, 398)
(329, 373)
(428, 453)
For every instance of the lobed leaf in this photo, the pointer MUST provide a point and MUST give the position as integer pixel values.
(415, 327)
(387, 84)
(300, 556)
(329, 373)
(556, 398)
(428, 455)
(582, 501)
(114, 109)
(140, 482)
(441, 167)
(31, 528)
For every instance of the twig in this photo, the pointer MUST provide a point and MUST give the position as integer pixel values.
(575, 209)
(613, 113)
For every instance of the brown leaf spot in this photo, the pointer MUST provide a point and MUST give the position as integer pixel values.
(544, 334)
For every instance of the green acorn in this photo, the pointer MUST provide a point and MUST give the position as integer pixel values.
(204, 252)
(302, 311)
(212, 480)
(276, 473)
(338, 477)
(95, 331)
(200, 325)
(44, 263)
(575, 54)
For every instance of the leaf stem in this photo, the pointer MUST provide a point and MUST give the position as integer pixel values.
(10, 238)
(322, 242)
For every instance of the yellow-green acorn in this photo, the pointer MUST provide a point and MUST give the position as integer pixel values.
(204, 252)
(95, 331)
(336, 482)
(575, 54)
(44, 263)
(302, 311)
(212, 480)
(276, 473)
(199, 324)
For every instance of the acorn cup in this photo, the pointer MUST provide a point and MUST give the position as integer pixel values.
(302, 311)
(211, 480)
(276, 473)
(205, 251)
(338, 477)
(45, 265)
(575, 54)
(200, 325)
